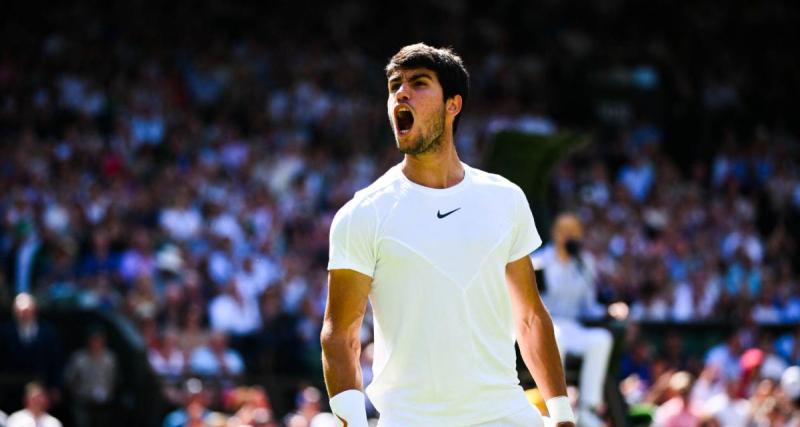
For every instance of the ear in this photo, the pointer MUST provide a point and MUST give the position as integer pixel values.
(453, 105)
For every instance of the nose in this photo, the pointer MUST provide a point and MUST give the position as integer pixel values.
(403, 93)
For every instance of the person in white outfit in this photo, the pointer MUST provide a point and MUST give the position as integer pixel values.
(569, 294)
(441, 250)
(35, 412)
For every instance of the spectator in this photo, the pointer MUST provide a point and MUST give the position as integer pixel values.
(790, 386)
(251, 407)
(725, 357)
(233, 312)
(570, 295)
(31, 348)
(194, 411)
(677, 412)
(35, 412)
(139, 262)
(307, 406)
(193, 335)
(216, 360)
(91, 377)
(167, 359)
(788, 346)
(180, 220)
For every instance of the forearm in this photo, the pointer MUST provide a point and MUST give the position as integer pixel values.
(340, 362)
(537, 344)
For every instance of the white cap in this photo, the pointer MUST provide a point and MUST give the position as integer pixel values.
(790, 382)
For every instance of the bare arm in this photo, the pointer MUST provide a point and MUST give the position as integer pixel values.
(348, 292)
(535, 335)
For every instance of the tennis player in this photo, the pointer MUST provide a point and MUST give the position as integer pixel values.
(441, 251)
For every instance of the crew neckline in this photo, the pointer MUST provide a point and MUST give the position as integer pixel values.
(437, 191)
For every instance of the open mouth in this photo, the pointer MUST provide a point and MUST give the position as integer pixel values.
(403, 119)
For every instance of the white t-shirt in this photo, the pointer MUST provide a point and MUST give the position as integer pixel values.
(444, 332)
(25, 418)
(569, 285)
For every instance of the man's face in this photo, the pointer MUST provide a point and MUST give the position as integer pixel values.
(416, 108)
(567, 227)
(24, 309)
(37, 400)
(97, 343)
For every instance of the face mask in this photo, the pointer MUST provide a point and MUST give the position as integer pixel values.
(573, 247)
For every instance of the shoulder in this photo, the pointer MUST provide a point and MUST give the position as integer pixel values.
(385, 187)
(364, 203)
(543, 257)
(19, 416)
(496, 185)
(79, 357)
(488, 179)
(15, 415)
(51, 421)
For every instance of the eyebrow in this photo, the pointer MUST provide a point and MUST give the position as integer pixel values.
(415, 76)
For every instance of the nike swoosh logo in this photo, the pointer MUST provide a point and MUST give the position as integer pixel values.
(442, 215)
(344, 423)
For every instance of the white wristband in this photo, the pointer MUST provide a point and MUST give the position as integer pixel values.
(559, 409)
(349, 409)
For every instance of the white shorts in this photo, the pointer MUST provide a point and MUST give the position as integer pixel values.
(527, 417)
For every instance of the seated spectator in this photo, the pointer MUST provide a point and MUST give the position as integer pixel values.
(676, 412)
(788, 346)
(308, 406)
(35, 412)
(637, 361)
(140, 259)
(142, 300)
(30, 348)
(194, 408)
(790, 386)
(91, 377)
(652, 305)
(726, 406)
(725, 357)
(167, 359)
(99, 259)
(216, 359)
(233, 312)
(181, 220)
(192, 334)
(250, 406)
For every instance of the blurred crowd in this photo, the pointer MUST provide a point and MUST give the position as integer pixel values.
(187, 178)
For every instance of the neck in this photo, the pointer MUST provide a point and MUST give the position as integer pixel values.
(437, 169)
(562, 254)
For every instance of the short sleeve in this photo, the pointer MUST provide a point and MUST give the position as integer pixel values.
(525, 238)
(539, 257)
(352, 238)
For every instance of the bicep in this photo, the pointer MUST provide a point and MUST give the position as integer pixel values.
(348, 292)
(522, 289)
